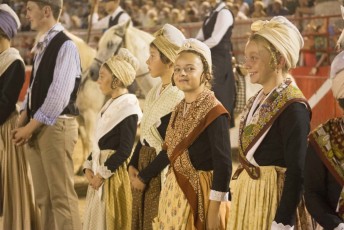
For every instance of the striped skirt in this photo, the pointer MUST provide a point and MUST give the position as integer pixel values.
(145, 204)
(112, 209)
(16, 194)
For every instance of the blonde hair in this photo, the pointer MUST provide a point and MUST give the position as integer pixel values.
(275, 55)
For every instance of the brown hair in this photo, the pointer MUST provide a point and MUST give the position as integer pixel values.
(55, 9)
(163, 58)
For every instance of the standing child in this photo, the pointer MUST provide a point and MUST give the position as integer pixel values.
(109, 196)
(159, 104)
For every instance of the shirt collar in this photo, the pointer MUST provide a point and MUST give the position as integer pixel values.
(44, 39)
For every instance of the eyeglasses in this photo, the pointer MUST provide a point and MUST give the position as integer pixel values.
(187, 70)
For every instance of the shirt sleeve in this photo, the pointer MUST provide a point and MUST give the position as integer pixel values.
(13, 79)
(128, 129)
(155, 167)
(67, 69)
(223, 21)
(316, 191)
(123, 18)
(221, 157)
(200, 35)
(134, 161)
(102, 24)
(294, 126)
(162, 131)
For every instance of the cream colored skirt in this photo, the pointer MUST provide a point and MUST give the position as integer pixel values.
(111, 210)
(174, 210)
(16, 195)
(255, 202)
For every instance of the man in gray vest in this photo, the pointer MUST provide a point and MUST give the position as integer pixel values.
(115, 15)
(47, 120)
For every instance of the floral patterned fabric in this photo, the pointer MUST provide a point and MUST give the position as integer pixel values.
(180, 134)
(263, 118)
(328, 142)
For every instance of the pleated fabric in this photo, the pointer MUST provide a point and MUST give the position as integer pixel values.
(255, 202)
(112, 210)
(174, 209)
(145, 204)
(16, 194)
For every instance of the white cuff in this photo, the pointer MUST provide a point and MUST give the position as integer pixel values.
(87, 164)
(104, 172)
(280, 226)
(340, 227)
(218, 196)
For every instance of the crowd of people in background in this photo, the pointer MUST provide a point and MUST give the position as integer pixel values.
(145, 14)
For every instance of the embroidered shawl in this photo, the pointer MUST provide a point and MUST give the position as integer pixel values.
(7, 58)
(156, 106)
(328, 142)
(269, 110)
(181, 133)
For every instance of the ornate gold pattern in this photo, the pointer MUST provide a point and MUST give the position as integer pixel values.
(179, 128)
(327, 139)
(264, 116)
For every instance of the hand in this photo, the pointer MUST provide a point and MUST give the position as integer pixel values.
(133, 172)
(97, 181)
(213, 217)
(89, 175)
(137, 184)
(21, 136)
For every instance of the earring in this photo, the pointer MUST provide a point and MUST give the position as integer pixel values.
(113, 84)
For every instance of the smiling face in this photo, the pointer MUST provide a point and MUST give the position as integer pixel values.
(188, 71)
(155, 65)
(105, 80)
(258, 62)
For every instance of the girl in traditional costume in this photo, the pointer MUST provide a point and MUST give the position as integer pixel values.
(16, 198)
(267, 186)
(324, 169)
(198, 149)
(159, 103)
(109, 200)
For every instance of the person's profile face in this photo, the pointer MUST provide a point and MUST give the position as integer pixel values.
(35, 15)
(155, 66)
(105, 80)
(257, 62)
